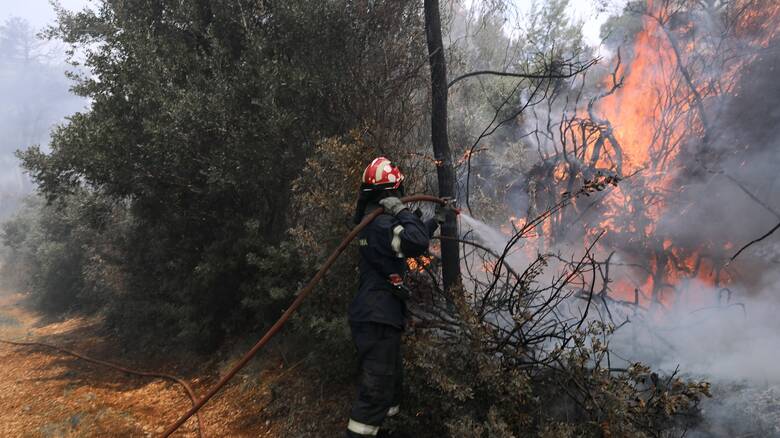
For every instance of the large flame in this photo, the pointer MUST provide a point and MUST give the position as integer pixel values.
(635, 110)
(656, 111)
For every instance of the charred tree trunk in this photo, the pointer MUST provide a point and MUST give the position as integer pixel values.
(450, 256)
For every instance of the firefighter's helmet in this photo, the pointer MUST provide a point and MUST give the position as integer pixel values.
(381, 174)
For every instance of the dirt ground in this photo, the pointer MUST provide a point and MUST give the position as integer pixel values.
(44, 393)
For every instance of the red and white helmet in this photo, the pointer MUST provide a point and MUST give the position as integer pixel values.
(381, 174)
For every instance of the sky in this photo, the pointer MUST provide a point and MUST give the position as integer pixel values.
(38, 12)
(591, 13)
(592, 17)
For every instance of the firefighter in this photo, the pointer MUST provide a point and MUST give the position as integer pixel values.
(378, 311)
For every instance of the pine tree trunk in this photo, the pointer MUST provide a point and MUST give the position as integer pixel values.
(441, 149)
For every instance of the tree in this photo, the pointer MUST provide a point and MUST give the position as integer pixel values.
(18, 42)
(202, 116)
(440, 140)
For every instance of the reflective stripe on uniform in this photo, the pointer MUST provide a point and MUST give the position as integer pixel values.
(394, 411)
(396, 242)
(361, 428)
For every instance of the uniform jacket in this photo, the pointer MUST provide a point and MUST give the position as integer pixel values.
(384, 246)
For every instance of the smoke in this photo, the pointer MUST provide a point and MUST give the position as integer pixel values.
(730, 342)
(732, 199)
(724, 334)
(728, 337)
(729, 334)
(38, 13)
(35, 98)
(717, 321)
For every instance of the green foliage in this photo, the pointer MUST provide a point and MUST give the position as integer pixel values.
(460, 387)
(489, 121)
(326, 190)
(324, 197)
(618, 31)
(202, 114)
(55, 251)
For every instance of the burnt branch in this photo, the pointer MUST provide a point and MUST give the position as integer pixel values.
(754, 241)
(552, 72)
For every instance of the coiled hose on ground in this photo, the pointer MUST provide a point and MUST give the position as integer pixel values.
(290, 310)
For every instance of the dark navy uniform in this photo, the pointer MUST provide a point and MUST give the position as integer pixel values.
(378, 312)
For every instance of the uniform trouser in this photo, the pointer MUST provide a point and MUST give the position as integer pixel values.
(381, 377)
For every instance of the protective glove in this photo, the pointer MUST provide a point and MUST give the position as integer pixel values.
(392, 205)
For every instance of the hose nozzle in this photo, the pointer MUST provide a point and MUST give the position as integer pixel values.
(450, 203)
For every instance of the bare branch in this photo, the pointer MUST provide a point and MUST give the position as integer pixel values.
(574, 70)
(754, 241)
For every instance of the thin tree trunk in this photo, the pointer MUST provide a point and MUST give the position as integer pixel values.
(441, 149)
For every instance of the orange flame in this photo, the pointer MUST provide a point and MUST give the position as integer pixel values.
(418, 264)
(651, 115)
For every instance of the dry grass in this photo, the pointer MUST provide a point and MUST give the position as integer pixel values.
(47, 394)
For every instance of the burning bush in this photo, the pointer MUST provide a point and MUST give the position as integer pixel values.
(516, 352)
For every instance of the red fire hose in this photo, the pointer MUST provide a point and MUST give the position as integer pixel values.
(288, 313)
